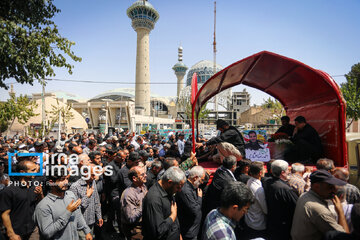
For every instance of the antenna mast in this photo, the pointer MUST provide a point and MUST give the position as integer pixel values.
(214, 52)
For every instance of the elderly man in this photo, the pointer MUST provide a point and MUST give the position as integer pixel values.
(131, 203)
(159, 207)
(296, 180)
(281, 201)
(86, 190)
(313, 218)
(189, 202)
(352, 193)
(325, 164)
(223, 176)
(152, 173)
(83, 160)
(220, 223)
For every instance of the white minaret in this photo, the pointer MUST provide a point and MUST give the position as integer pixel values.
(144, 17)
(180, 70)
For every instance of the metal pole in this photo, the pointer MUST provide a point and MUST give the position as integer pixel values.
(214, 67)
(43, 108)
(106, 119)
(59, 125)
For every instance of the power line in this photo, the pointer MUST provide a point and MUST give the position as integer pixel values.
(106, 82)
(110, 82)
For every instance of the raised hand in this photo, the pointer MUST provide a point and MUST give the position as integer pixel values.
(89, 191)
(73, 205)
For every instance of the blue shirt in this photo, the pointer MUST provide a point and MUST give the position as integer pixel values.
(217, 226)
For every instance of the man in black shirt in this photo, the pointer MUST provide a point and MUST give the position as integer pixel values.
(152, 173)
(189, 201)
(222, 177)
(307, 143)
(17, 204)
(111, 187)
(159, 208)
(229, 134)
(124, 181)
(286, 126)
(281, 201)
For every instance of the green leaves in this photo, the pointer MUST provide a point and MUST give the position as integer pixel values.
(30, 43)
(276, 108)
(203, 111)
(351, 92)
(20, 108)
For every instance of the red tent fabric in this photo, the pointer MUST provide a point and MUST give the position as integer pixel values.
(301, 89)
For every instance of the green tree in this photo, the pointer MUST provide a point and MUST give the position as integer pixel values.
(204, 113)
(20, 108)
(31, 44)
(64, 111)
(351, 92)
(276, 107)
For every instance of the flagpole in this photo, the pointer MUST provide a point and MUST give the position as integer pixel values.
(193, 104)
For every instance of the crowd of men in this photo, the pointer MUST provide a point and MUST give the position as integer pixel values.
(153, 187)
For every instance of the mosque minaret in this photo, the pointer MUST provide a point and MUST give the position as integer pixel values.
(144, 17)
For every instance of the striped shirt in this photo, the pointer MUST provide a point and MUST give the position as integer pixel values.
(297, 183)
(352, 193)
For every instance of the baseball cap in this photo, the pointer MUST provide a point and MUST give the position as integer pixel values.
(324, 176)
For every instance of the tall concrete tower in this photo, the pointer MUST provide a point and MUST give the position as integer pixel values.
(144, 17)
(180, 70)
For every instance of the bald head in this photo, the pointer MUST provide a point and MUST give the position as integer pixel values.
(341, 173)
(84, 159)
(325, 164)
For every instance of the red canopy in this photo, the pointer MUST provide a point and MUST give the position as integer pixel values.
(301, 89)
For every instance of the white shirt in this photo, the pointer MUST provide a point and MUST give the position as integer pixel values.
(255, 218)
(135, 144)
(181, 146)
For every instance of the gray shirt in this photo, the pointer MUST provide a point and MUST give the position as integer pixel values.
(55, 221)
(90, 207)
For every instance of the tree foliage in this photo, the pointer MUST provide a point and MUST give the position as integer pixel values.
(64, 111)
(351, 92)
(204, 113)
(276, 108)
(20, 108)
(31, 44)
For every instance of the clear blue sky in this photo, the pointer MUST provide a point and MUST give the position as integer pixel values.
(324, 34)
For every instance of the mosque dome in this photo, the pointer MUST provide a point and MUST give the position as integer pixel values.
(204, 69)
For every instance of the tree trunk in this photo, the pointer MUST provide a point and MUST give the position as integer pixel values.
(350, 123)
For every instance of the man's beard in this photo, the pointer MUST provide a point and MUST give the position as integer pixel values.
(63, 189)
(197, 183)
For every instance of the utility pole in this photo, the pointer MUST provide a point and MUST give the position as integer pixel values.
(214, 52)
(59, 128)
(43, 108)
